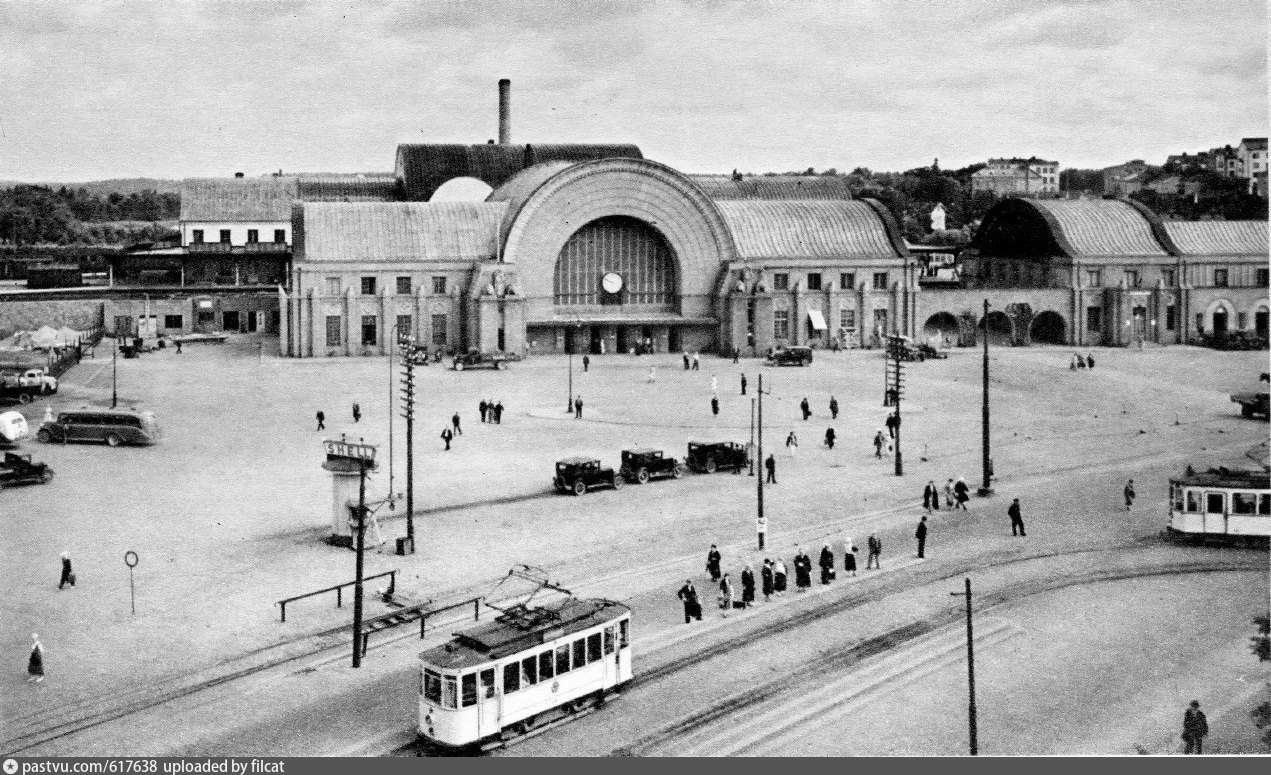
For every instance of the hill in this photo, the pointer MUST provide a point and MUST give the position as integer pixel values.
(105, 188)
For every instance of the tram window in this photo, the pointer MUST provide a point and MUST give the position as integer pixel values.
(1214, 502)
(469, 685)
(1193, 501)
(593, 648)
(1176, 496)
(511, 677)
(609, 640)
(487, 683)
(529, 671)
(580, 652)
(545, 665)
(562, 659)
(623, 639)
(449, 692)
(1244, 503)
(1264, 503)
(432, 686)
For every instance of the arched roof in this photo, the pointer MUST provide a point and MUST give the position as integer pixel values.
(767, 187)
(808, 229)
(1082, 228)
(1219, 238)
(423, 168)
(397, 231)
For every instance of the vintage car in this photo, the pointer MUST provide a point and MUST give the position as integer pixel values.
(927, 351)
(113, 426)
(790, 356)
(474, 359)
(641, 465)
(579, 474)
(709, 457)
(18, 469)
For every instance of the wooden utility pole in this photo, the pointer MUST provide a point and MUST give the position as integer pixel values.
(986, 465)
(970, 671)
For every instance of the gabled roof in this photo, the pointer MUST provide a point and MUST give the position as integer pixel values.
(238, 199)
(1101, 227)
(397, 231)
(1219, 238)
(770, 187)
(808, 229)
(1254, 143)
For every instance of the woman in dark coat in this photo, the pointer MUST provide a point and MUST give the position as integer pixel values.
(827, 564)
(802, 570)
(747, 585)
(766, 574)
(712, 563)
(961, 493)
(849, 561)
(778, 576)
(35, 664)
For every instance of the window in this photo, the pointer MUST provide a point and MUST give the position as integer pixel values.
(439, 285)
(368, 286)
(546, 667)
(847, 319)
(197, 236)
(781, 281)
(880, 281)
(369, 330)
(814, 281)
(253, 236)
(1167, 277)
(333, 286)
(1132, 278)
(780, 324)
(405, 327)
(432, 686)
(1170, 317)
(1242, 320)
(847, 281)
(1214, 502)
(609, 640)
(593, 648)
(225, 236)
(335, 327)
(173, 321)
(449, 692)
(469, 687)
(487, 683)
(1220, 278)
(1094, 278)
(1264, 504)
(562, 659)
(1200, 321)
(529, 671)
(1244, 503)
(403, 286)
(280, 235)
(511, 677)
(624, 634)
(1263, 277)
(580, 652)
(439, 329)
(1094, 319)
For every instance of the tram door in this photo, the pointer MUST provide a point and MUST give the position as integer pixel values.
(487, 704)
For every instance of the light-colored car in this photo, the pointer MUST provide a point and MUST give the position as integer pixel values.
(113, 426)
(39, 379)
(13, 427)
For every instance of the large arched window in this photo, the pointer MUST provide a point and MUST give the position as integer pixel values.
(626, 247)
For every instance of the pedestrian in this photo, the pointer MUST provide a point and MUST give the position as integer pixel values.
(806, 408)
(802, 570)
(653, 375)
(357, 412)
(875, 553)
(834, 408)
(35, 663)
(697, 360)
(948, 494)
(586, 363)
(578, 407)
(322, 420)
(779, 576)
(498, 413)
(961, 493)
(736, 354)
(1195, 728)
(771, 465)
(1129, 494)
(1081, 362)
(692, 606)
(826, 561)
(715, 405)
(829, 438)
(713, 559)
(714, 385)
(483, 407)
(1090, 361)
(48, 414)
(766, 577)
(930, 496)
(1072, 365)
(446, 436)
(792, 443)
(743, 384)
(178, 347)
(747, 586)
(726, 594)
(1017, 518)
(686, 360)
(921, 535)
(878, 444)
(454, 420)
(891, 424)
(849, 559)
(68, 575)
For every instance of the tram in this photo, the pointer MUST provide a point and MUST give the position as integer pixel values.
(528, 668)
(1221, 502)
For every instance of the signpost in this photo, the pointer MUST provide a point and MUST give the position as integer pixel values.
(131, 559)
(345, 456)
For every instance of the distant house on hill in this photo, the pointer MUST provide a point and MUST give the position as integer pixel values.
(1016, 176)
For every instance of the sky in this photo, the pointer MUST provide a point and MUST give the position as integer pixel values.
(92, 90)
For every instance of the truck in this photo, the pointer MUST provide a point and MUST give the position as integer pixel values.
(23, 386)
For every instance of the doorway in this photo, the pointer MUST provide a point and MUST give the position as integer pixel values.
(596, 339)
(230, 318)
(1260, 323)
(1220, 322)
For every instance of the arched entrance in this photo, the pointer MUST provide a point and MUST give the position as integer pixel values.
(1001, 331)
(941, 328)
(1049, 328)
(1260, 317)
(1220, 322)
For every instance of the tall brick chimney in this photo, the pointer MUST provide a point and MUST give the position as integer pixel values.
(505, 111)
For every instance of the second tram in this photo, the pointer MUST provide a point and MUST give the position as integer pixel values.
(1221, 502)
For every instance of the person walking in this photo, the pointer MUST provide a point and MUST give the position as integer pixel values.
(875, 553)
(726, 594)
(930, 496)
(779, 576)
(1195, 728)
(802, 570)
(454, 420)
(692, 606)
(1081, 362)
(714, 385)
(826, 561)
(834, 408)
(653, 375)
(35, 662)
(771, 465)
(921, 535)
(1017, 518)
(1072, 365)
(498, 413)
(878, 445)
(892, 423)
(766, 579)
(715, 405)
(736, 354)
(849, 559)
(686, 360)
(961, 493)
(446, 436)
(578, 407)
(948, 494)
(792, 443)
(357, 412)
(586, 363)
(1129, 494)
(697, 361)
(806, 408)
(1090, 361)
(829, 438)
(713, 559)
(68, 575)
(322, 420)
(747, 586)
(743, 384)
(483, 407)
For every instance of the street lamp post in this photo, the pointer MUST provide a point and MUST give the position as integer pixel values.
(752, 436)
(970, 671)
(986, 487)
(761, 522)
(114, 375)
(391, 346)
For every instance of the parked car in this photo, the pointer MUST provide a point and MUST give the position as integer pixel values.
(13, 428)
(113, 426)
(18, 469)
(38, 379)
(579, 474)
(1253, 404)
(790, 356)
(474, 359)
(641, 465)
(909, 351)
(709, 457)
(927, 351)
